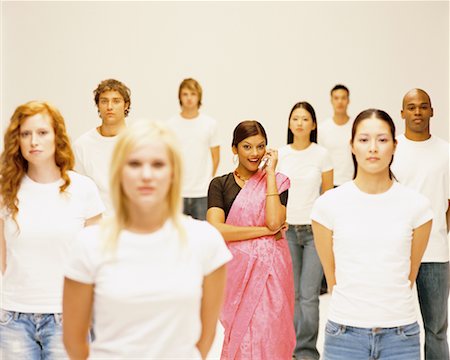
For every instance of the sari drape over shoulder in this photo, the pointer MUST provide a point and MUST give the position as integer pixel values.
(258, 311)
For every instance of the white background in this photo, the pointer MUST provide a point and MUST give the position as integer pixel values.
(253, 59)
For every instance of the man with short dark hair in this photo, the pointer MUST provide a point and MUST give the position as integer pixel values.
(421, 161)
(334, 134)
(94, 148)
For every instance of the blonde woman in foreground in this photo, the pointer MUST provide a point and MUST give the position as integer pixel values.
(152, 278)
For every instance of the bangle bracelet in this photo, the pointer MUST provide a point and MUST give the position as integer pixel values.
(272, 194)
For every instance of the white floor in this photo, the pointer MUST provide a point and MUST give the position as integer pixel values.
(324, 300)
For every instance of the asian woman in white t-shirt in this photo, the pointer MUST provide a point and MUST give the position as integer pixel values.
(309, 167)
(152, 278)
(370, 234)
(44, 204)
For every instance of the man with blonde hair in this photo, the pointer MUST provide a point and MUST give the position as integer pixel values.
(200, 147)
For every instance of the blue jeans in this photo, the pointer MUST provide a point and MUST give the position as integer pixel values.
(28, 336)
(195, 207)
(353, 343)
(432, 290)
(307, 280)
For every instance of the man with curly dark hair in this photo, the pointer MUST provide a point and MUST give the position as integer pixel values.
(94, 148)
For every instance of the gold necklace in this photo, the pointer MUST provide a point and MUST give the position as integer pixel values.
(241, 177)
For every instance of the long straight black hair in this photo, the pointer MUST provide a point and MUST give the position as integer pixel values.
(307, 106)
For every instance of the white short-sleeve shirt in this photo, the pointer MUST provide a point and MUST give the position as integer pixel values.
(49, 222)
(372, 236)
(196, 138)
(304, 168)
(424, 167)
(147, 295)
(93, 158)
(336, 139)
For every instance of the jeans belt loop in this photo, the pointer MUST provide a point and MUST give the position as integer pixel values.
(16, 315)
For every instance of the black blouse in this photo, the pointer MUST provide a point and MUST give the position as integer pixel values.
(224, 189)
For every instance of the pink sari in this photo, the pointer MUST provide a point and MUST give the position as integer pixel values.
(258, 312)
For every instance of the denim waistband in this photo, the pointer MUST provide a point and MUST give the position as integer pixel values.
(373, 330)
(35, 316)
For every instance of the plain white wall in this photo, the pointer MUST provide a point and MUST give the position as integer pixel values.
(253, 59)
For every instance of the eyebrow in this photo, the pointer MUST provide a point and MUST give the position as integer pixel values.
(422, 103)
(261, 143)
(367, 134)
(38, 129)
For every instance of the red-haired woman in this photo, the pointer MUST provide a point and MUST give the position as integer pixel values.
(43, 206)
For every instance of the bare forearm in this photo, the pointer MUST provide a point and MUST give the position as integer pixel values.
(212, 299)
(77, 309)
(205, 342)
(237, 233)
(215, 166)
(275, 211)
(418, 246)
(77, 350)
(326, 257)
(323, 240)
(215, 157)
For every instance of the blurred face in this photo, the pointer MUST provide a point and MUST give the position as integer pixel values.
(373, 146)
(301, 123)
(37, 139)
(340, 101)
(147, 175)
(111, 106)
(250, 151)
(189, 99)
(417, 112)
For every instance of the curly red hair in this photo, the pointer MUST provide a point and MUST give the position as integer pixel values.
(13, 165)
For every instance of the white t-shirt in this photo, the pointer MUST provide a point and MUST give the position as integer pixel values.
(196, 138)
(372, 236)
(336, 139)
(49, 222)
(304, 168)
(147, 297)
(424, 166)
(93, 158)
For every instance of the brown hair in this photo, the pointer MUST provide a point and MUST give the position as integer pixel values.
(114, 85)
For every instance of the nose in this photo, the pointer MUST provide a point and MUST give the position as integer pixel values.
(34, 139)
(110, 105)
(417, 110)
(147, 172)
(254, 151)
(373, 146)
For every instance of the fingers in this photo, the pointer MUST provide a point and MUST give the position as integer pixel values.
(272, 156)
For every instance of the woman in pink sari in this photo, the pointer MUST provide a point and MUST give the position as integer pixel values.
(248, 206)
